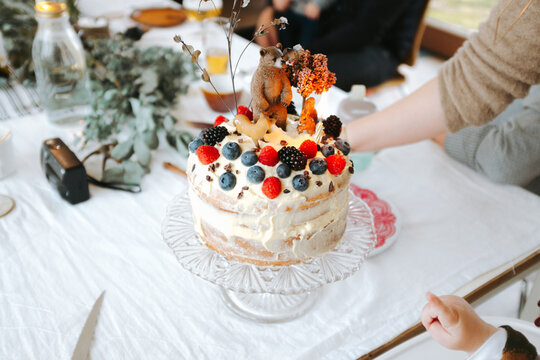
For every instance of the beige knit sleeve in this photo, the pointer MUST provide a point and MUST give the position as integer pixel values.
(485, 76)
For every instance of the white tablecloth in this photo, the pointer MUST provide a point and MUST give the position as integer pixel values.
(56, 258)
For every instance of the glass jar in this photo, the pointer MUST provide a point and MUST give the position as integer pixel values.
(60, 65)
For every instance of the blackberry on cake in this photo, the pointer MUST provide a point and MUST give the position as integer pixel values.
(293, 157)
(212, 136)
(332, 126)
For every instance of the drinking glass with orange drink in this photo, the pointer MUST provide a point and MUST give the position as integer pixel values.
(197, 10)
(215, 44)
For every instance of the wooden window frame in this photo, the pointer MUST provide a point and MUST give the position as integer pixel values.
(443, 39)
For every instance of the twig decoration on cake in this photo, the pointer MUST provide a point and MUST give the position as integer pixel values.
(234, 19)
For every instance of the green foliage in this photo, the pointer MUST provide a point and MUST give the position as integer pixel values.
(18, 26)
(129, 172)
(133, 90)
(73, 10)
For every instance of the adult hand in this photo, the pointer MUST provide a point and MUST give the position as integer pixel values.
(312, 11)
(452, 322)
(281, 5)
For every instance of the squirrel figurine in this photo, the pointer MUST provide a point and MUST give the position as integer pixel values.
(270, 87)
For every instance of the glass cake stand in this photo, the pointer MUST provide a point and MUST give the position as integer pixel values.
(269, 293)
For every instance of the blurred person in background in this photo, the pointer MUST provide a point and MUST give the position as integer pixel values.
(365, 40)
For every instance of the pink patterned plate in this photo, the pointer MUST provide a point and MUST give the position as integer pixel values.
(387, 223)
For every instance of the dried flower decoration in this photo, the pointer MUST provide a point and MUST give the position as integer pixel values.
(309, 73)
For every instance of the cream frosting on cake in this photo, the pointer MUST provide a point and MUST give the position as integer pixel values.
(245, 224)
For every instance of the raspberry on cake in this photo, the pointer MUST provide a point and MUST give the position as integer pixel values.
(244, 110)
(219, 120)
(271, 187)
(207, 154)
(336, 164)
(268, 156)
(309, 148)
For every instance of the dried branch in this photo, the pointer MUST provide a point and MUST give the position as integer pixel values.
(194, 54)
(233, 22)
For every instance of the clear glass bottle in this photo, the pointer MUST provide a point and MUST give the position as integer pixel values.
(60, 65)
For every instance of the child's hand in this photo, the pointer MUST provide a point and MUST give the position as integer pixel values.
(312, 11)
(452, 322)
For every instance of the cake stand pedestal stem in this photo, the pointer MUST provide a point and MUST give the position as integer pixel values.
(270, 308)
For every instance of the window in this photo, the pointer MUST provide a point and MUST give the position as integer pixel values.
(463, 16)
(450, 22)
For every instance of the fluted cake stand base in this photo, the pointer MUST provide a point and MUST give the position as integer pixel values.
(269, 293)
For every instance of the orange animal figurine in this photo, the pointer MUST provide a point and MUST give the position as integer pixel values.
(308, 117)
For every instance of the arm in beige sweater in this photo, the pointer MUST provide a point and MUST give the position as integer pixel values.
(494, 67)
(472, 88)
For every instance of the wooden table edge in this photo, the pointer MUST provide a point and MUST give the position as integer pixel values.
(507, 275)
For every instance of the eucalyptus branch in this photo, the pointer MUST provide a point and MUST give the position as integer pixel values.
(205, 77)
(99, 65)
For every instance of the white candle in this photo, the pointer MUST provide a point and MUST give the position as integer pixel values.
(318, 131)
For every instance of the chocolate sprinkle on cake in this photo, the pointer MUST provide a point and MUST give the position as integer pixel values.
(331, 187)
(208, 178)
(286, 191)
(318, 182)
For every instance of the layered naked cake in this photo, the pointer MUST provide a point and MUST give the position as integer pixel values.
(270, 196)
